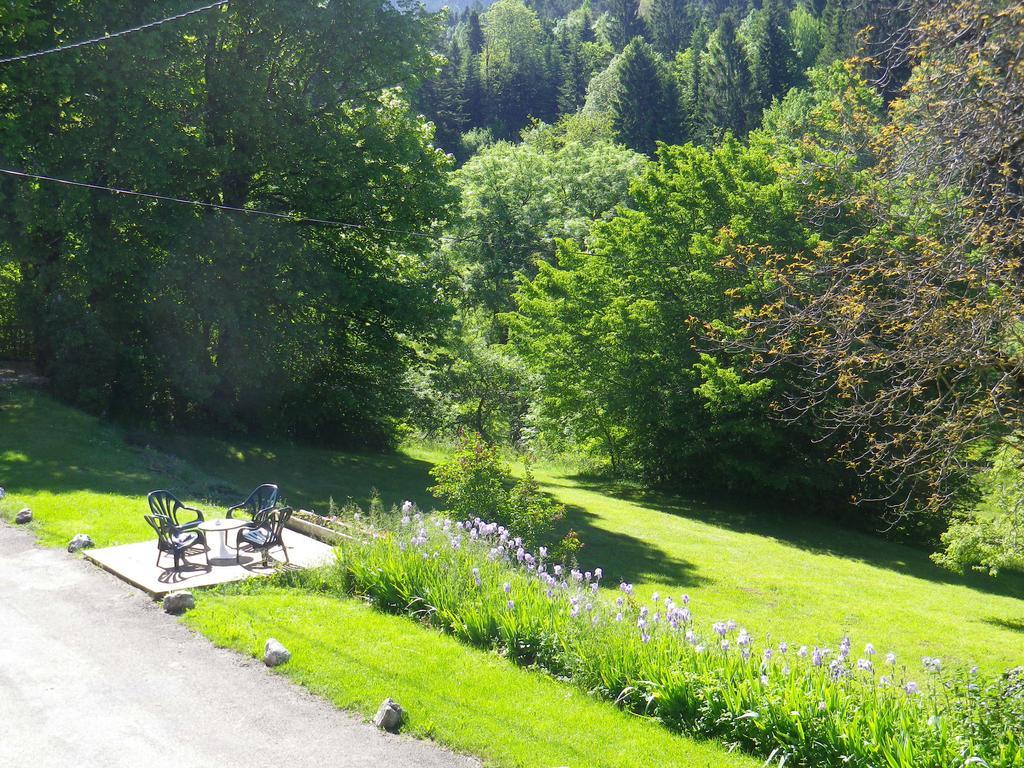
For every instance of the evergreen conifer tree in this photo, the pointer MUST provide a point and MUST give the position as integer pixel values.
(670, 24)
(587, 34)
(473, 91)
(775, 60)
(693, 96)
(646, 108)
(449, 113)
(727, 85)
(475, 34)
(572, 80)
(838, 32)
(625, 22)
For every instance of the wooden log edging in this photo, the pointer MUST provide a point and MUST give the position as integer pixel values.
(317, 531)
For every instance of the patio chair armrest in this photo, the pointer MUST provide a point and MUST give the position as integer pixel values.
(234, 508)
(200, 516)
(179, 530)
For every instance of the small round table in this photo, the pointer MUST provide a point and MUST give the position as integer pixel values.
(223, 525)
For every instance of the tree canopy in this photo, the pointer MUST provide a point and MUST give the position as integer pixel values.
(182, 315)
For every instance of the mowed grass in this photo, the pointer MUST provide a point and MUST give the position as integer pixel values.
(472, 701)
(793, 575)
(79, 476)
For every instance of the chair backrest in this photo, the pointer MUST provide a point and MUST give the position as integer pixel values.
(162, 525)
(263, 498)
(164, 504)
(273, 522)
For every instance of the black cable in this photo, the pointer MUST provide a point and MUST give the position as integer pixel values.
(294, 218)
(112, 35)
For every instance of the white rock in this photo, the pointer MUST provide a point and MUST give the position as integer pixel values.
(275, 654)
(389, 716)
(81, 541)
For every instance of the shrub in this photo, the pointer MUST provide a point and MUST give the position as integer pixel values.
(794, 706)
(531, 513)
(475, 483)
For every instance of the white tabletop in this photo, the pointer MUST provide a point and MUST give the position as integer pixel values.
(222, 524)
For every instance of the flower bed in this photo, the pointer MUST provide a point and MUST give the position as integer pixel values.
(806, 705)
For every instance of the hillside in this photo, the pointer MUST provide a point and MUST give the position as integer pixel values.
(797, 578)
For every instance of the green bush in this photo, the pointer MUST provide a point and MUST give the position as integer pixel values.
(475, 484)
(532, 514)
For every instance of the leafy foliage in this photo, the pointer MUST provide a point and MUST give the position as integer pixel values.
(906, 323)
(475, 483)
(472, 482)
(615, 332)
(517, 199)
(182, 316)
(991, 537)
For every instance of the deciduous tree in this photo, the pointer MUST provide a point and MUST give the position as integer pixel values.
(907, 325)
(179, 315)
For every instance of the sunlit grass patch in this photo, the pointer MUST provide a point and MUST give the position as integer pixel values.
(469, 700)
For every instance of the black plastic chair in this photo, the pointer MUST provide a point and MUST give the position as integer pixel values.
(262, 499)
(166, 504)
(174, 541)
(264, 534)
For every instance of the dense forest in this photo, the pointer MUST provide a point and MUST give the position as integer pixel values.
(767, 248)
(663, 70)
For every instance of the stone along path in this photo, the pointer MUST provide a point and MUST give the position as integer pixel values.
(93, 673)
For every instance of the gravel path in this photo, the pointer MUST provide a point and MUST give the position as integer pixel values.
(93, 673)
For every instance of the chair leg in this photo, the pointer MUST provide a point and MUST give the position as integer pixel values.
(285, 550)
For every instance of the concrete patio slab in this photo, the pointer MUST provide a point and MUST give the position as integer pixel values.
(136, 564)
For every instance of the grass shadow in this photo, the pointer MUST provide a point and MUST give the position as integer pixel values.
(817, 535)
(1014, 625)
(623, 557)
(51, 448)
(311, 477)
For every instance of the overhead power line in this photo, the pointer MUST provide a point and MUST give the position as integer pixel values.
(293, 218)
(112, 35)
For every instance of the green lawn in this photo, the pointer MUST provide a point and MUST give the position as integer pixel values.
(795, 576)
(79, 476)
(473, 701)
